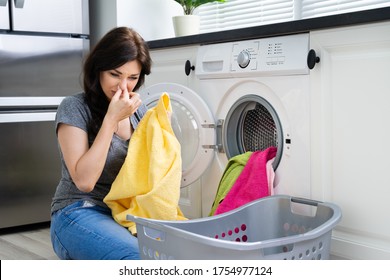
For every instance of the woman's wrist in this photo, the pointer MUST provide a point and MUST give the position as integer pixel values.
(111, 124)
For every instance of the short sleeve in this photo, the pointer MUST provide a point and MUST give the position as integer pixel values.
(73, 111)
(138, 115)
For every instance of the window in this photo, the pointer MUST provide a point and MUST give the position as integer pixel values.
(235, 14)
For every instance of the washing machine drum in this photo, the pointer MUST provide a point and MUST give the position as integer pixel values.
(252, 124)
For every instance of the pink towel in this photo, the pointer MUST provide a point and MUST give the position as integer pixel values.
(252, 182)
(270, 175)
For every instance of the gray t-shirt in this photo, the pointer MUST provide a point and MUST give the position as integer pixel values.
(74, 111)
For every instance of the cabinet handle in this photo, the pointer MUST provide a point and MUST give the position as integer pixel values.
(188, 68)
(312, 59)
(19, 4)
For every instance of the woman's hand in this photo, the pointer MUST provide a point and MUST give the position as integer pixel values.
(123, 104)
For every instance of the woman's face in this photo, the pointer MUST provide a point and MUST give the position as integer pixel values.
(126, 75)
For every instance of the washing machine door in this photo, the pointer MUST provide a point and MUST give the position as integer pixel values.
(192, 123)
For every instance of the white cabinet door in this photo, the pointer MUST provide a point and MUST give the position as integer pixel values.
(169, 67)
(350, 97)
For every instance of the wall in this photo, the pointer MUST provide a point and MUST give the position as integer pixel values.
(102, 17)
(151, 18)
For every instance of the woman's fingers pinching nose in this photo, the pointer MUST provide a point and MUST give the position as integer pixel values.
(134, 94)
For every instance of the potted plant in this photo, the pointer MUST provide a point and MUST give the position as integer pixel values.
(188, 24)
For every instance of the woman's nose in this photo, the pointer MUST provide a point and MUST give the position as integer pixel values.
(123, 84)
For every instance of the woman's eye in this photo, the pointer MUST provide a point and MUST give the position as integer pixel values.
(114, 74)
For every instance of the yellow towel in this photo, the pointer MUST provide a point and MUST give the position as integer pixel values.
(148, 184)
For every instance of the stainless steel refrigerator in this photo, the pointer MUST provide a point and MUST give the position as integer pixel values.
(42, 47)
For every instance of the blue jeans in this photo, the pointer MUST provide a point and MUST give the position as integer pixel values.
(84, 231)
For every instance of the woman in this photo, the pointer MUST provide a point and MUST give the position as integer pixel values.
(93, 130)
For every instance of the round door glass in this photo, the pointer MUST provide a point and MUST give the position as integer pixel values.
(193, 125)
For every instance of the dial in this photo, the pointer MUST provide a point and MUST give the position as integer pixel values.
(243, 59)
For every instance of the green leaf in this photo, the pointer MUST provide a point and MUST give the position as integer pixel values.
(190, 5)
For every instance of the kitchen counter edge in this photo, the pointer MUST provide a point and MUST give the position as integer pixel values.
(277, 29)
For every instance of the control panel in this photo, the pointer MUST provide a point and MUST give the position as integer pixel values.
(280, 55)
(270, 54)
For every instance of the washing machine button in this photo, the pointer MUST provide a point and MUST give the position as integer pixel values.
(243, 59)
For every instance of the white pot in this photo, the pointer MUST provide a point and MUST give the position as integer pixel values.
(186, 25)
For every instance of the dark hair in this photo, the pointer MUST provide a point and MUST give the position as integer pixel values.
(117, 47)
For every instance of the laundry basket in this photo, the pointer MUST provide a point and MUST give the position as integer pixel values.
(275, 227)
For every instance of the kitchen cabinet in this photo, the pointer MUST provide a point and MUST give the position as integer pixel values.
(169, 67)
(349, 131)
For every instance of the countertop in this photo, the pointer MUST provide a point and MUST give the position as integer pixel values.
(284, 28)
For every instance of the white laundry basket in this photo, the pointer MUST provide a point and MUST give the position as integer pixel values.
(275, 227)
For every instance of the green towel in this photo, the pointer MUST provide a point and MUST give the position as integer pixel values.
(233, 169)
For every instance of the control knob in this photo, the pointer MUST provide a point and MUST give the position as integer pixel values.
(243, 59)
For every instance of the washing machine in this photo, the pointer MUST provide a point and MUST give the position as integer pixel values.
(250, 95)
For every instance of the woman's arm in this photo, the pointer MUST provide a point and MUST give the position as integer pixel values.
(85, 164)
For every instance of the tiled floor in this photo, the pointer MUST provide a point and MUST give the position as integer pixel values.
(26, 243)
